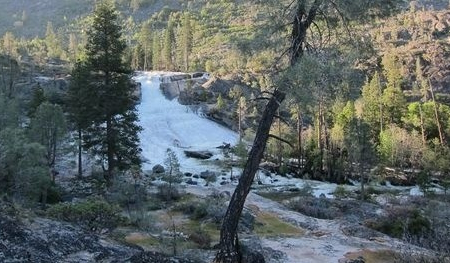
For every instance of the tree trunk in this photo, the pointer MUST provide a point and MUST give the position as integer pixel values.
(301, 24)
(436, 114)
(229, 247)
(279, 143)
(110, 150)
(299, 133)
(422, 128)
(80, 148)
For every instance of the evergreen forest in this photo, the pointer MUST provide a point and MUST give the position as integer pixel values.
(340, 110)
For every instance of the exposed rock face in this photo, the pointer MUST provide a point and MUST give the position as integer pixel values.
(181, 84)
(424, 37)
(45, 240)
(149, 256)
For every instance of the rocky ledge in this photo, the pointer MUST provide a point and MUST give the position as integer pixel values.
(43, 240)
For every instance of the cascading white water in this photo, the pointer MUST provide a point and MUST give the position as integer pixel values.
(168, 124)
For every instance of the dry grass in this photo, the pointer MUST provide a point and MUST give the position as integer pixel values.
(379, 256)
(141, 239)
(268, 224)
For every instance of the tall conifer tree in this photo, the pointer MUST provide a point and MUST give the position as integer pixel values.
(112, 131)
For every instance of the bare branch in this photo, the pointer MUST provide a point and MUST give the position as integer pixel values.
(281, 139)
(281, 119)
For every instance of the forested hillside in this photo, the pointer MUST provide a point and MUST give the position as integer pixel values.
(352, 94)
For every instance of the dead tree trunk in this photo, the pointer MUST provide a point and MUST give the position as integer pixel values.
(436, 115)
(229, 247)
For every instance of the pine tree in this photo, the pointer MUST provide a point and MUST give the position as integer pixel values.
(156, 52)
(37, 99)
(372, 104)
(48, 128)
(113, 134)
(73, 48)
(53, 47)
(80, 92)
(145, 41)
(186, 40)
(169, 43)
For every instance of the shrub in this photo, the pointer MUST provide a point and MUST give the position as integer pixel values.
(400, 222)
(316, 207)
(141, 219)
(92, 214)
(306, 190)
(340, 192)
(168, 193)
(201, 238)
(126, 194)
(212, 209)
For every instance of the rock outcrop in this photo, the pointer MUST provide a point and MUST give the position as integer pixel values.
(44, 240)
(41, 240)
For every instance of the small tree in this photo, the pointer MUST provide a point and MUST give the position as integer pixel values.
(220, 103)
(23, 170)
(172, 175)
(38, 97)
(48, 128)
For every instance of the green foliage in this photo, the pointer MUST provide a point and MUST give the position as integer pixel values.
(401, 222)
(52, 43)
(240, 150)
(48, 128)
(220, 102)
(316, 207)
(419, 113)
(201, 238)
(372, 104)
(9, 112)
(23, 170)
(340, 192)
(92, 214)
(435, 158)
(394, 104)
(169, 45)
(173, 174)
(38, 97)
(168, 193)
(113, 131)
(399, 148)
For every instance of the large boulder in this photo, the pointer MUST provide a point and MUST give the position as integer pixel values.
(198, 154)
(253, 252)
(158, 169)
(208, 175)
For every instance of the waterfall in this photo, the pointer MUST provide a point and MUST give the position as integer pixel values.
(168, 124)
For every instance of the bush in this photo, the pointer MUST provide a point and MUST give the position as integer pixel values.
(340, 192)
(316, 207)
(401, 222)
(92, 214)
(201, 238)
(306, 190)
(168, 193)
(212, 209)
(127, 194)
(141, 219)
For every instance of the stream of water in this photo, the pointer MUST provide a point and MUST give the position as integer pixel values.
(168, 124)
